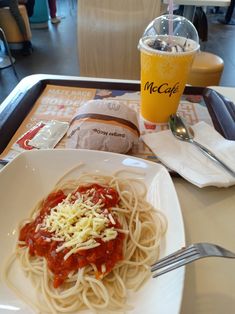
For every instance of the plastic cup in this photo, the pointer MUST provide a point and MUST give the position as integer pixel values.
(164, 73)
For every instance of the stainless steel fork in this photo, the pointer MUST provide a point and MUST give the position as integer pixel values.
(187, 255)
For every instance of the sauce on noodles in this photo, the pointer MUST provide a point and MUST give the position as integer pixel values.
(40, 241)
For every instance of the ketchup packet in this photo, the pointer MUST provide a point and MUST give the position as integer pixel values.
(44, 135)
(49, 135)
(23, 141)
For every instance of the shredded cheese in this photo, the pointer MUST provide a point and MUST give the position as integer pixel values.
(78, 224)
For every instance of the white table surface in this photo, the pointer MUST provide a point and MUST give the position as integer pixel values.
(201, 3)
(190, 5)
(209, 216)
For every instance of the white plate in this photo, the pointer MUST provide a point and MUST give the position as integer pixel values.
(32, 175)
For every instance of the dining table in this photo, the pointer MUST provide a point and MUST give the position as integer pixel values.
(208, 214)
(190, 5)
(228, 18)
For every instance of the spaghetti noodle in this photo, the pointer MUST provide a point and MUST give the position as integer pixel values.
(88, 243)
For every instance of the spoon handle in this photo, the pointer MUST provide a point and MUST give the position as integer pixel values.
(213, 157)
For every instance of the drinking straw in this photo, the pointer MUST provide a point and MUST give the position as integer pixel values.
(170, 20)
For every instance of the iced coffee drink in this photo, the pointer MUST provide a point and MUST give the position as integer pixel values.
(165, 64)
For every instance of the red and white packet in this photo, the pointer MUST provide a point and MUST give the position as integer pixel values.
(43, 135)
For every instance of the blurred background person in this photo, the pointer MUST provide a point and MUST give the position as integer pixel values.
(53, 9)
(29, 4)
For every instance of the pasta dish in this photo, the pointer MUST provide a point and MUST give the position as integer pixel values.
(88, 243)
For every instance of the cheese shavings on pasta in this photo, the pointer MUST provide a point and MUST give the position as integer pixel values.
(78, 224)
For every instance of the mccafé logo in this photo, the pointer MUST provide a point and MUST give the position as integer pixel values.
(162, 89)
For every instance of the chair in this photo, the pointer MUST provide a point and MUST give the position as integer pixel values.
(108, 34)
(6, 60)
(10, 27)
(206, 70)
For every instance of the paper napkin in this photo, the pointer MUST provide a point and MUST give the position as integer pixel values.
(189, 161)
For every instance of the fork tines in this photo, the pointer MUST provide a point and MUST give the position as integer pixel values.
(170, 262)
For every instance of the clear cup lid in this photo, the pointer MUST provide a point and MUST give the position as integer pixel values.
(174, 24)
(170, 33)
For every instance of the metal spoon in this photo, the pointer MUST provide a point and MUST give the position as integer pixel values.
(185, 133)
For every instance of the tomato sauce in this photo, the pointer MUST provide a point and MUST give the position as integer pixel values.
(40, 241)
